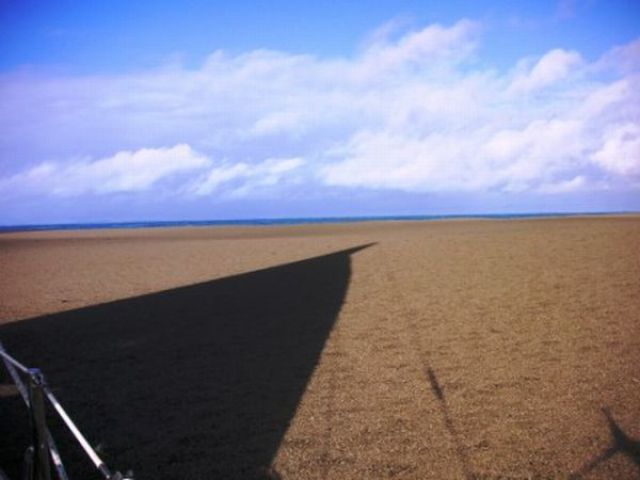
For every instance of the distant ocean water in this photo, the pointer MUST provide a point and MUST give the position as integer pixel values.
(280, 221)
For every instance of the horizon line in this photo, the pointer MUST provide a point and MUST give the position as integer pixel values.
(269, 221)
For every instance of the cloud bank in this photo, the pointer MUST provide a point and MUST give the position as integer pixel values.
(416, 111)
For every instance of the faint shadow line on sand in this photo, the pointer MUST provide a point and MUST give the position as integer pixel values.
(620, 443)
(438, 392)
(451, 428)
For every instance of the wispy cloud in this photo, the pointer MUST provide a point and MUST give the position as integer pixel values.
(416, 111)
(566, 186)
(552, 68)
(620, 150)
(127, 171)
(245, 178)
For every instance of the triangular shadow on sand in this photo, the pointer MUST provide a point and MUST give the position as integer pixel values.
(198, 382)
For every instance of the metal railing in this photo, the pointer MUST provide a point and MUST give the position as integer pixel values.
(43, 452)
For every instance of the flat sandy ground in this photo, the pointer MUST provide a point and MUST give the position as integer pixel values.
(450, 349)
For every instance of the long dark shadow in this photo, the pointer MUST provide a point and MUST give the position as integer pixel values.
(192, 383)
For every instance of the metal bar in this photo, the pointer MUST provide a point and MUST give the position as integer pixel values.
(55, 456)
(53, 448)
(44, 445)
(40, 444)
(11, 368)
(27, 470)
(13, 361)
(97, 461)
(16, 378)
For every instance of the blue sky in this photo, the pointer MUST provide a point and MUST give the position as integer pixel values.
(116, 111)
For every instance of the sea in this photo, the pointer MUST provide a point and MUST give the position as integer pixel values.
(283, 221)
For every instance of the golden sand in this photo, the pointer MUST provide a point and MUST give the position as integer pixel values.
(449, 349)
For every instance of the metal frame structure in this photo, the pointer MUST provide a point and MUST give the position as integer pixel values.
(43, 452)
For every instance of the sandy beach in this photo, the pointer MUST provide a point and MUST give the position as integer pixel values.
(422, 350)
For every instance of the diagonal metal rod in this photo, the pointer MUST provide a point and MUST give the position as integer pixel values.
(97, 461)
(11, 364)
(36, 377)
(12, 361)
(55, 457)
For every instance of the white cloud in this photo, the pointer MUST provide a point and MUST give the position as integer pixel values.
(620, 151)
(247, 177)
(412, 111)
(123, 172)
(622, 58)
(576, 183)
(394, 161)
(144, 169)
(480, 160)
(554, 66)
(606, 98)
(421, 48)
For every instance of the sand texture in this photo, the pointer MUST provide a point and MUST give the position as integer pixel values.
(418, 350)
